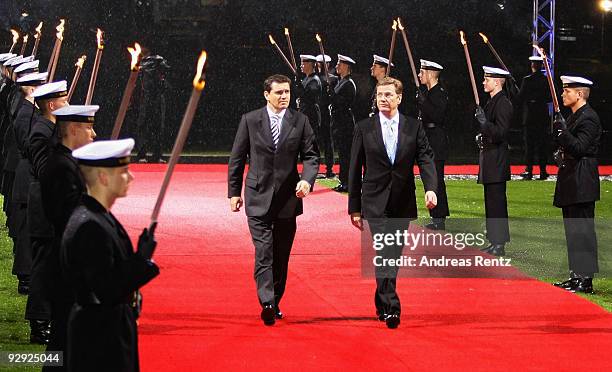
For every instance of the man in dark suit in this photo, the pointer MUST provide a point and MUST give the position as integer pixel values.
(577, 187)
(534, 97)
(384, 150)
(494, 163)
(273, 137)
(432, 106)
(99, 262)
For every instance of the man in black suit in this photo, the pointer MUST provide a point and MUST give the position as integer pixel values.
(494, 163)
(577, 187)
(384, 150)
(99, 262)
(273, 137)
(534, 97)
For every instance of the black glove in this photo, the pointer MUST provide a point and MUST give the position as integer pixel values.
(480, 116)
(147, 243)
(559, 123)
(420, 96)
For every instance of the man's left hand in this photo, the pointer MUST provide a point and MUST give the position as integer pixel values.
(302, 189)
(431, 200)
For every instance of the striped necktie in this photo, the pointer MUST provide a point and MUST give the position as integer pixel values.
(275, 128)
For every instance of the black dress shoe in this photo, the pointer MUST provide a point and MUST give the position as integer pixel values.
(497, 250)
(40, 332)
(278, 314)
(543, 176)
(581, 285)
(381, 315)
(267, 315)
(565, 284)
(341, 188)
(487, 248)
(436, 226)
(330, 174)
(527, 176)
(392, 321)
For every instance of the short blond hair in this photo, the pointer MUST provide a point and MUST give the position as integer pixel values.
(399, 87)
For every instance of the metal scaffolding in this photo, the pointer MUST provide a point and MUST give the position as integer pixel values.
(544, 28)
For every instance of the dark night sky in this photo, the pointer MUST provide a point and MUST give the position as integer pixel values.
(240, 56)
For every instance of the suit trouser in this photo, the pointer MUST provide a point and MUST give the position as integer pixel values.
(578, 220)
(272, 238)
(386, 298)
(496, 212)
(441, 210)
(39, 305)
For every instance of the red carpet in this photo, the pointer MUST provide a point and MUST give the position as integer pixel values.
(202, 312)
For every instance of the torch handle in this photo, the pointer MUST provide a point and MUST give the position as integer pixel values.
(35, 48)
(176, 150)
(280, 52)
(324, 64)
(551, 85)
(55, 60)
(471, 72)
(52, 58)
(73, 85)
(125, 102)
(407, 46)
(391, 50)
(23, 48)
(94, 76)
(291, 52)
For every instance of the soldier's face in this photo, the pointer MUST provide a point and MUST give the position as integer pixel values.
(307, 67)
(341, 68)
(423, 76)
(489, 84)
(119, 180)
(570, 96)
(377, 71)
(387, 99)
(83, 133)
(279, 96)
(58, 103)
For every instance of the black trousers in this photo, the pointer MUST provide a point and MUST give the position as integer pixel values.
(536, 145)
(325, 139)
(22, 248)
(343, 141)
(441, 210)
(273, 239)
(38, 306)
(496, 212)
(578, 220)
(386, 298)
(59, 332)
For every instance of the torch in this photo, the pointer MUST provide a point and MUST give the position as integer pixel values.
(497, 57)
(129, 89)
(198, 86)
(15, 40)
(25, 42)
(37, 37)
(96, 67)
(407, 46)
(290, 48)
(278, 49)
(392, 47)
(469, 65)
(549, 77)
(77, 74)
(59, 37)
(320, 41)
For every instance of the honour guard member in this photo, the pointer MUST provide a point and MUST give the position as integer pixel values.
(432, 106)
(99, 262)
(378, 71)
(534, 98)
(577, 187)
(494, 162)
(309, 93)
(343, 121)
(325, 140)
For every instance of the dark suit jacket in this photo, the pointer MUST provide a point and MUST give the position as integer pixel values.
(494, 158)
(578, 180)
(387, 186)
(272, 176)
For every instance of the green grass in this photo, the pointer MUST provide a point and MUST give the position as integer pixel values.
(537, 245)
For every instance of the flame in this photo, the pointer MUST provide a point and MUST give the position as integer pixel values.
(484, 38)
(286, 31)
(271, 40)
(99, 39)
(81, 61)
(399, 23)
(15, 36)
(60, 30)
(135, 53)
(462, 34)
(198, 82)
(38, 30)
(318, 38)
(394, 27)
(25, 39)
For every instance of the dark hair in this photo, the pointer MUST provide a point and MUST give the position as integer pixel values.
(279, 79)
(399, 87)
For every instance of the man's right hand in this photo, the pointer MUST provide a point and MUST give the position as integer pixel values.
(357, 221)
(235, 203)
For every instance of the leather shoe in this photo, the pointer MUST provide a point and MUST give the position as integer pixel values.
(543, 176)
(581, 285)
(382, 316)
(330, 174)
(487, 248)
(497, 250)
(278, 314)
(267, 315)
(436, 226)
(565, 284)
(392, 321)
(341, 188)
(527, 176)
(40, 332)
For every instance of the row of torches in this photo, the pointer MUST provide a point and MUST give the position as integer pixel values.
(397, 23)
(135, 52)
